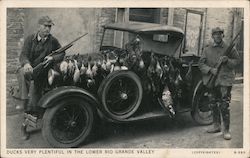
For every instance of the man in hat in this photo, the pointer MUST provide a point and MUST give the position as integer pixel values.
(36, 49)
(220, 94)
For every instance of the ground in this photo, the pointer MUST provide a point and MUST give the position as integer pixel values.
(157, 133)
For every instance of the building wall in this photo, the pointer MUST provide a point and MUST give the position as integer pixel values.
(69, 24)
(180, 18)
(15, 34)
(230, 19)
(222, 17)
(164, 16)
(105, 16)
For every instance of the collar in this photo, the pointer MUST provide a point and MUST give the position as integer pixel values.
(219, 45)
(39, 38)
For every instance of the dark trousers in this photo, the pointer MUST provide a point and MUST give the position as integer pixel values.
(220, 100)
(29, 89)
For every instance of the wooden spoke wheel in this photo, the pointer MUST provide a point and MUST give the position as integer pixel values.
(68, 123)
(121, 94)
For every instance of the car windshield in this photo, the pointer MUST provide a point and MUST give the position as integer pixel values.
(164, 44)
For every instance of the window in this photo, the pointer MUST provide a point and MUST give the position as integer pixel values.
(150, 15)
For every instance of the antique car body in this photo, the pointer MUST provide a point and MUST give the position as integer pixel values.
(72, 110)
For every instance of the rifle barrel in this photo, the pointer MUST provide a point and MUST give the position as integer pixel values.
(61, 49)
(78, 38)
(68, 45)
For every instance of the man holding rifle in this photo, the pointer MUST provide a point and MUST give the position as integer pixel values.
(36, 50)
(217, 66)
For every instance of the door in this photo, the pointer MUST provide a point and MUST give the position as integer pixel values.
(193, 29)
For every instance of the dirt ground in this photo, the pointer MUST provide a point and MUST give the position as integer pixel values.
(156, 133)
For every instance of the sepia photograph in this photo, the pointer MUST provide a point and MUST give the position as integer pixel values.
(130, 81)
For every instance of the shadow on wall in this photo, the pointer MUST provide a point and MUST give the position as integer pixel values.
(69, 24)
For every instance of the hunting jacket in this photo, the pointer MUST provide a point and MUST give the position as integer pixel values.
(210, 59)
(34, 51)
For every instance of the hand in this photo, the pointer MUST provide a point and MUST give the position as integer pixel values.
(213, 71)
(28, 69)
(223, 59)
(47, 61)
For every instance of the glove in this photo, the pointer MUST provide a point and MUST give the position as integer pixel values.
(223, 59)
(213, 71)
(28, 69)
(47, 61)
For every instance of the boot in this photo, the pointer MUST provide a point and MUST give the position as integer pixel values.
(215, 129)
(227, 135)
(24, 134)
(226, 122)
(216, 118)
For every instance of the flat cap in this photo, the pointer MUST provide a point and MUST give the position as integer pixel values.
(45, 20)
(217, 29)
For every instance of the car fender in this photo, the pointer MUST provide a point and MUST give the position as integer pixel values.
(59, 93)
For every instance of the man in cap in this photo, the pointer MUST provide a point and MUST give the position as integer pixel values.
(36, 49)
(220, 94)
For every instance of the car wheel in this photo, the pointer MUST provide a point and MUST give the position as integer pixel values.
(68, 123)
(201, 112)
(121, 94)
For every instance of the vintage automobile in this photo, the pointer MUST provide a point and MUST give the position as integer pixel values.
(142, 75)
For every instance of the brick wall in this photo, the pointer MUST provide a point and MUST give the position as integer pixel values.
(104, 16)
(15, 34)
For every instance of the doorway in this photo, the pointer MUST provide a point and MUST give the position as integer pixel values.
(193, 30)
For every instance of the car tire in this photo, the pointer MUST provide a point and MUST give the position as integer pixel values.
(68, 123)
(120, 94)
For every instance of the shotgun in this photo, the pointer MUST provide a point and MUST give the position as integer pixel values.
(40, 67)
(212, 78)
